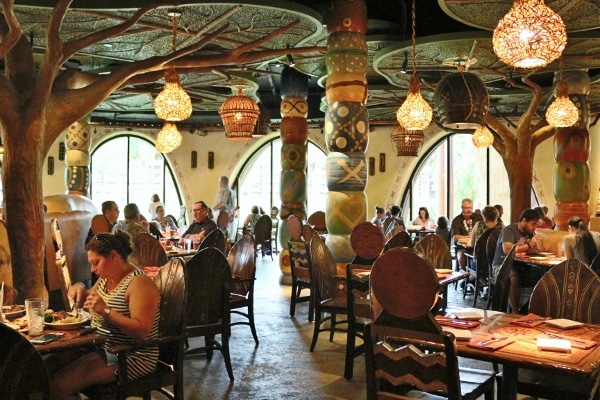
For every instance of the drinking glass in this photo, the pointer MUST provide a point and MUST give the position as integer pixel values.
(196, 243)
(188, 245)
(35, 309)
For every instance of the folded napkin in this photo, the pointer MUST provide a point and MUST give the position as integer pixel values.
(456, 323)
(575, 342)
(530, 320)
(490, 342)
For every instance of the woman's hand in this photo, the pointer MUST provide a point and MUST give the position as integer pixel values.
(95, 303)
(78, 293)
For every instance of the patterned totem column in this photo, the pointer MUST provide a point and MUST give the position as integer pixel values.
(346, 124)
(571, 176)
(294, 138)
(78, 140)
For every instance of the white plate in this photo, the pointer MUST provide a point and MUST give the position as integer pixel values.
(19, 310)
(563, 323)
(72, 325)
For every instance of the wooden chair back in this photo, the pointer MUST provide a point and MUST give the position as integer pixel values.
(323, 270)
(367, 242)
(216, 239)
(308, 232)
(223, 220)
(209, 282)
(23, 373)
(595, 265)
(391, 226)
(243, 268)
(400, 238)
(490, 247)
(501, 288)
(60, 263)
(481, 269)
(5, 257)
(299, 260)
(147, 251)
(100, 224)
(317, 220)
(433, 248)
(569, 290)
(262, 229)
(170, 281)
(294, 227)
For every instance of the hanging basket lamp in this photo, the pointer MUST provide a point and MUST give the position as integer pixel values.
(415, 113)
(172, 103)
(168, 139)
(407, 143)
(531, 35)
(461, 101)
(239, 114)
(482, 137)
(562, 112)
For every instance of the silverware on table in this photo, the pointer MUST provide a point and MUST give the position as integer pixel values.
(492, 340)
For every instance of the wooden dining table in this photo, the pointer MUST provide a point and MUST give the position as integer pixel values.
(71, 340)
(523, 351)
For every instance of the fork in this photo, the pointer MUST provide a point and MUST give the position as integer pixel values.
(493, 340)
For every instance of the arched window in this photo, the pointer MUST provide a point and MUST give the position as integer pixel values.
(128, 169)
(259, 180)
(454, 169)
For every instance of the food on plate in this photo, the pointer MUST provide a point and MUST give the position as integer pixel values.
(60, 317)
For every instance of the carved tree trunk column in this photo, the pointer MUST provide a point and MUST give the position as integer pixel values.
(346, 124)
(294, 138)
(571, 176)
(78, 139)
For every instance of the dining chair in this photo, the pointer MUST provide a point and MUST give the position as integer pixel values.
(23, 374)
(500, 283)
(216, 239)
(359, 312)
(275, 229)
(223, 223)
(243, 275)
(407, 353)
(433, 248)
(325, 290)
(308, 232)
(317, 220)
(207, 312)
(262, 235)
(490, 249)
(171, 283)
(147, 251)
(595, 265)
(400, 238)
(568, 290)
(477, 265)
(367, 242)
(300, 269)
(62, 268)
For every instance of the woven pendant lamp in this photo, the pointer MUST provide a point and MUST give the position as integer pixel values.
(407, 143)
(168, 139)
(482, 137)
(239, 114)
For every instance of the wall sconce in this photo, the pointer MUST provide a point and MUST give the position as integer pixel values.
(404, 67)
(371, 166)
(211, 160)
(61, 151)
(194, 159)
(381, 162)
(50, 165)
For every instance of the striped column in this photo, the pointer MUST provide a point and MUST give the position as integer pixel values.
(346, 124)
(77, 174)
(294, 138)
(571, 177)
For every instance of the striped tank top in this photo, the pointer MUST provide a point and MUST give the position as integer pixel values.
(143, 361)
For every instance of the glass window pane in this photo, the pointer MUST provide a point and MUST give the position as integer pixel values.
(109, 172)
(468, 177)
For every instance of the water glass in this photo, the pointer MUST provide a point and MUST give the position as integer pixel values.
(35, 309)
(188, 245)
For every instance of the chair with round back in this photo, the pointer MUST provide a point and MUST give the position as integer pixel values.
(433, 248)
(407, 353)
(23, 374)
(400, 238)
(498, 297)
(262, 235)
(317, 220)
(478, 265)
(216, 239)
(243, 275)
(147, 251)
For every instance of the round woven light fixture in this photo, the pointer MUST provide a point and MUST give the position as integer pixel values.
(562, 112)
(172, 103)
(482, 137)
(168, 138)
(239, 114)
(415, 113)
(531, 35)
(407, 143)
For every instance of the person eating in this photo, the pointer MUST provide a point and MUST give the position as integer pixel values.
(125, 308)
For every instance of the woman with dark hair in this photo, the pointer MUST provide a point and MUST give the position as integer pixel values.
(581, 243)
(443, 229)
(124, 304)
(379, 217)
(423, 219)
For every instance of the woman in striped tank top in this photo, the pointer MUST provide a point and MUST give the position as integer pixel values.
(124, 304)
